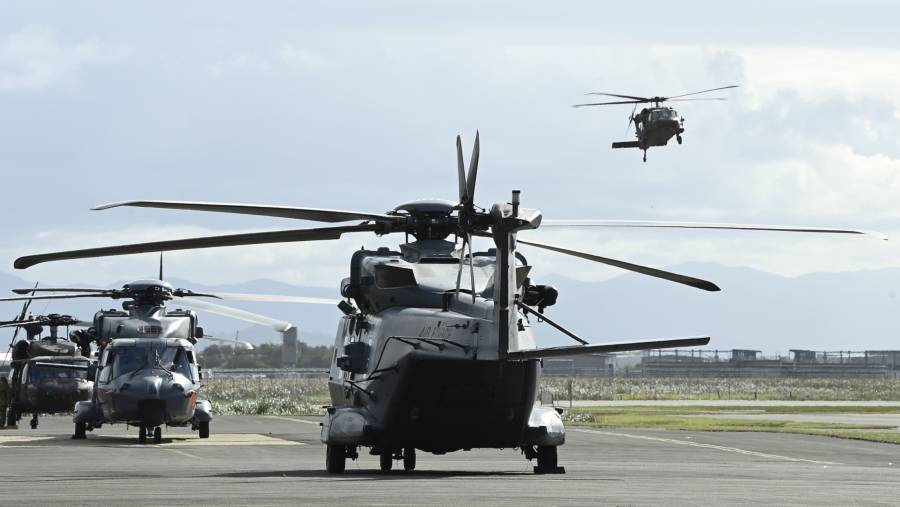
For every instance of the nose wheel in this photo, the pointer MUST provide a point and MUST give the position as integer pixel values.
(146, 432)
(645, 155)
(678, 138)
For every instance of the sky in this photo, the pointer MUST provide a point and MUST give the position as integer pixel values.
(356, 105)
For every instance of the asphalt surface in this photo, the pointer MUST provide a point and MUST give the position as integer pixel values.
(279, 461)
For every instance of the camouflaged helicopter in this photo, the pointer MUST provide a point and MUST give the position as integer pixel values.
(48, 374)
(148, 373)
(656, 125)
(425, 360)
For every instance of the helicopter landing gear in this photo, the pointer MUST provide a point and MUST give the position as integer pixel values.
(12, 418)
(34, 421)
(409, 459)
(157, 435)
(142, 434)
(645, 155)
(678, 138)
(547, 462)
(335, 459)
(203, 428)
(80, 431)
(386, 460)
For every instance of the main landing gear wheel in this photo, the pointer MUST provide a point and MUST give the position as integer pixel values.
(80, 431)
(11, 419)
(678, 138)
(386, 460)
(157, 435)
(645, 155)
(546, 461)
(409, 459)
(203, 427)
(34, 422)
(142, 434)
(335, 459)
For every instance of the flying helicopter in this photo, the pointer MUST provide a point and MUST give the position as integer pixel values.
(423, 362)
(48, 373)
(655, 125)
(148, 373)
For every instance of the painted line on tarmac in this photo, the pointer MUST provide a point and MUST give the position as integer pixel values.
(176, 451)
(707, 446)
(292, 419)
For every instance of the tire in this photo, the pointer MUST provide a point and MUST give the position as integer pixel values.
(546, 458)
(409, 459)
(11, 419)
(335, 459)
(80, 431)
(34, 424)
(142, 434)
(386, 460)
(157, 435)
(203, 428)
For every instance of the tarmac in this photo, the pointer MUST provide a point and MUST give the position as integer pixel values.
(280, 461)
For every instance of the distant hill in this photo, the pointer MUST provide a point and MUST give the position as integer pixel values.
(756, 310)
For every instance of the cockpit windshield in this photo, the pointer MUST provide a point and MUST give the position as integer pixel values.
(41, 372)
(663, 114)
(175, 359)
(128, 360)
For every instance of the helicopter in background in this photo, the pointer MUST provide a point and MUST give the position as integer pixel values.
(48, 374)
(147, 374)
(429, 359)
(655, 125)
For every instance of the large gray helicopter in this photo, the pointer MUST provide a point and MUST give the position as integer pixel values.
(422, 361)
(148, 374)
(48, 374)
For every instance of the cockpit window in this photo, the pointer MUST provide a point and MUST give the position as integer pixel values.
(128, 360)
(394, 277)
(664, 114)
(176, 360)
(40, 372)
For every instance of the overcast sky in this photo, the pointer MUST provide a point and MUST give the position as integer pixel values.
(355, 105)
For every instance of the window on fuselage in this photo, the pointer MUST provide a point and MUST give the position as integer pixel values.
(39, 372)
(176, 360)
(127, 360)
(394, 277)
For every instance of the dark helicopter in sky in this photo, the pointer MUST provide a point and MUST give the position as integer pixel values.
(436, 349)
(655, 125)
(48, 374)
(147, 373)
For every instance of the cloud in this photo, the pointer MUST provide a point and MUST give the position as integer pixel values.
(286, 57)
(33, 58)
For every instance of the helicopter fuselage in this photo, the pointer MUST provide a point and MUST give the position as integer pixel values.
(420, 365)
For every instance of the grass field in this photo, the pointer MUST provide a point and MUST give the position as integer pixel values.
(706, 418)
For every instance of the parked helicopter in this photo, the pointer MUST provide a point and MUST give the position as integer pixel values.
(653, 126)
(48, 373)
(421, 361)
(148, 374)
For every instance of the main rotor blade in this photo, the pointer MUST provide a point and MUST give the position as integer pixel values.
(277, 325)
(461, 171)
(702, 91)
(20, 323)
(689, 100)
(56, 296)
(473, 171)
(705, 225)
(637, 268)
(573, 350)
(59, 289)
(632, 97)
(246, 345)
(314, 214)
(274, 298)
(253, 238)
(612, 103)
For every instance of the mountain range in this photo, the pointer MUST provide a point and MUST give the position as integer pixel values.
(854, 310)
